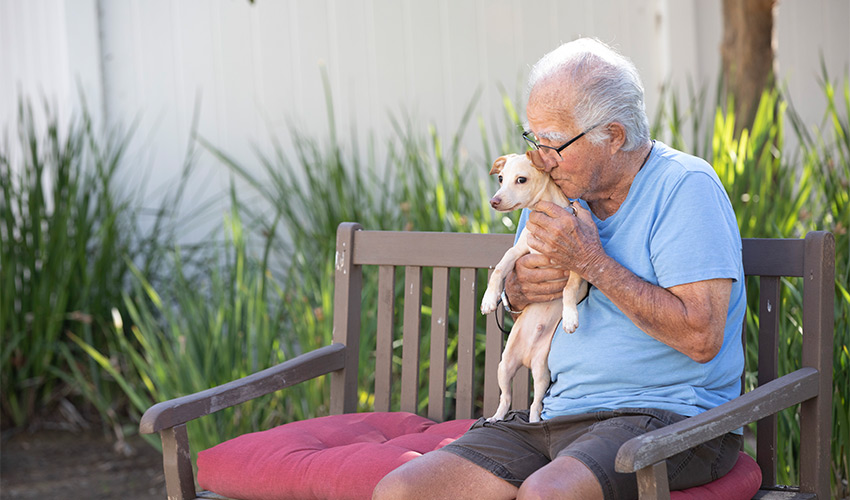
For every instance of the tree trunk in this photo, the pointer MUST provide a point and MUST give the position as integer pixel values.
(747, 52)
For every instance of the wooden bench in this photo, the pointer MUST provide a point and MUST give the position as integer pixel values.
(765, 260)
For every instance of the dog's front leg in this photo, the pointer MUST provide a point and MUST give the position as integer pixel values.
(494, 284)
(575, 289)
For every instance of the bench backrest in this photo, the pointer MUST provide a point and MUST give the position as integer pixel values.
(461, 259)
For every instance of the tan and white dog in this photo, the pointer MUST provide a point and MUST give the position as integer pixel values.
(523, 186)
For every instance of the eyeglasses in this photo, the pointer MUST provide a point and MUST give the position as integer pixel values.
(532, 140)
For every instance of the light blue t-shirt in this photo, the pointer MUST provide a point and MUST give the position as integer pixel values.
(676, 226)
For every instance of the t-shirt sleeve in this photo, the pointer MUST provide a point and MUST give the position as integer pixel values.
(696, 235)
(523, 218)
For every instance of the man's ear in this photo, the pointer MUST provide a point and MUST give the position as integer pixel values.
(498, 165)
(616, 136)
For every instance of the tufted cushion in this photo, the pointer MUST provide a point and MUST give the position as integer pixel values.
(339, 457)
(344, 456)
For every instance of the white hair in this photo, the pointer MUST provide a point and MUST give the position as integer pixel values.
(603, 85)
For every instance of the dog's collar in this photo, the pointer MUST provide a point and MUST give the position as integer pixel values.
(507, 303)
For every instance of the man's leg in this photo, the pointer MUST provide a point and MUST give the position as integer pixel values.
(442, 475)
(565, 478)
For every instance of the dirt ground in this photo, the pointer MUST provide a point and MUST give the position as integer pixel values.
(78, 465)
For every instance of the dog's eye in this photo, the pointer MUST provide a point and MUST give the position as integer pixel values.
(521, 180)
(500, 179)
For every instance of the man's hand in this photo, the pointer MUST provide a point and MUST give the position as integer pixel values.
(534, 280)
(551, 231)
(569, 241)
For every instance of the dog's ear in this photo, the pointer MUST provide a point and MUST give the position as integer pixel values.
(498, 165)
(531, 156)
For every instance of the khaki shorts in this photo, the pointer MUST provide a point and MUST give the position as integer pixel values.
(513, 449)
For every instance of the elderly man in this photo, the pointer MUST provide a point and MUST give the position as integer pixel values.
(653, 231)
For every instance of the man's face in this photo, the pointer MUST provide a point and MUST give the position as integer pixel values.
(574, 170)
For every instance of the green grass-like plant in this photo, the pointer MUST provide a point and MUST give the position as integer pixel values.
(217, 322)
(64, 235)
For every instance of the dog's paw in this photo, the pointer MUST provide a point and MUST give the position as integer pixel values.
(570, 320)
(534, 413)
(489, 303)
(496, 418)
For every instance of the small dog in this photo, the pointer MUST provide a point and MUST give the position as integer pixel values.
(522, 186)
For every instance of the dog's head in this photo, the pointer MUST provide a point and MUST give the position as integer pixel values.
(520, 183)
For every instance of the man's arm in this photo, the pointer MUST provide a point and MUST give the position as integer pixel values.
(689, 318)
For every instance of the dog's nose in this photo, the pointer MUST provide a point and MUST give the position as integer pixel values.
(495, 201)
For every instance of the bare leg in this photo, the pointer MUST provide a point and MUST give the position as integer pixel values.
(442, 475)
(565, 478)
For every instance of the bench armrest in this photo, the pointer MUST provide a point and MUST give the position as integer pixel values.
(653, 447)
(180, 410)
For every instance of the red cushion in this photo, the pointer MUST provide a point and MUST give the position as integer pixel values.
(344, 456)
(339, 457)
(742, 482)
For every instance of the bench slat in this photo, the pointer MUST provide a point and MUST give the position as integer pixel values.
(411, 339)
(466, 344)
(773, 257)
(493, 354)
(384, 338)
(521, 389)
(430, 249)
(439, 344)
(768, 369)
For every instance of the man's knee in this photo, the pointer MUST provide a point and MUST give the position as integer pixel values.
(539, 490)
(548, 490)
(442, 475)
(410, 480)
(393, 485)
(563, 479)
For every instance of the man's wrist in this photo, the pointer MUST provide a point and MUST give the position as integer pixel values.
(594, 271)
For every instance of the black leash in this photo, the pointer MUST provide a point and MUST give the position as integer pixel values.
(496, 315)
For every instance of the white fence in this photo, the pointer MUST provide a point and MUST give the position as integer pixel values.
(256, 68)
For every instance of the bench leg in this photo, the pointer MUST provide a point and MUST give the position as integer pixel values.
(652, 482)
(177, 462)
